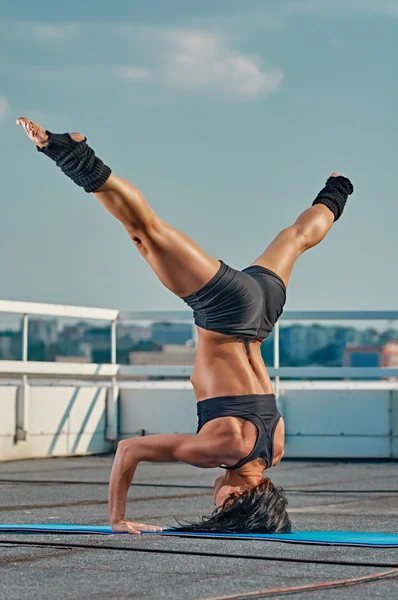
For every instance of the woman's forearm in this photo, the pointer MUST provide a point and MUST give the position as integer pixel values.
(124, 467)
(163, 447)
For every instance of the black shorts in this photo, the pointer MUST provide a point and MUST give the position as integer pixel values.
(244, 303)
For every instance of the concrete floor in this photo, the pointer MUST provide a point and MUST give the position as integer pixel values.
(72, 573)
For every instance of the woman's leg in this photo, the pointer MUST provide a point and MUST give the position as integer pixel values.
(180, 264)
(309, 229)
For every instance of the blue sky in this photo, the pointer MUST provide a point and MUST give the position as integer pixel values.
(229, 115)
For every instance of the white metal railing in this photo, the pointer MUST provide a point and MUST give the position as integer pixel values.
(115, 316)
(114, 376)
(100, 372)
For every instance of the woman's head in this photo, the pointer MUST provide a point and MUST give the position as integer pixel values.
(258, 509)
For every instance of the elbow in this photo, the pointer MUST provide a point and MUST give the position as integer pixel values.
(123, 446)
(125, 462)
(124, 451)
(278, 457)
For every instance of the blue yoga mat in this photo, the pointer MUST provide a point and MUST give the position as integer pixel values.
(333, 538)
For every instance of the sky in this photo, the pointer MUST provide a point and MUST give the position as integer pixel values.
(229, 116)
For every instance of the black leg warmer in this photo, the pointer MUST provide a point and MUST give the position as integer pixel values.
(334, 195)
(77, 160)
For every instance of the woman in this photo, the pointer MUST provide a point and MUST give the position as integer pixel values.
(240, 428)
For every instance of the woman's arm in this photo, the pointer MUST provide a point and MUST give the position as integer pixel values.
(196, 450)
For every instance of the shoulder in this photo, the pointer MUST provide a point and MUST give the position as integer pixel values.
(208, 451)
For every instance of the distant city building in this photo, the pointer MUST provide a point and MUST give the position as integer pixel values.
(43, 330)
(134, 332)
(316, 344)
(369, 337)
(76, 331)
(84, 349)
(317, 337)
(171, 333)
(362, 356)
(172, 354)
(371, 356)
(98, 337)
(294, 339)
(6, 345)
(300, 344)
(390, 354)
(388, 335)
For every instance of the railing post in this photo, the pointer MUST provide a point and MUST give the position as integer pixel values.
(25, 329)
(276, 358)
(112, 403)
(22, 408)
(194, 335)
(113, 342)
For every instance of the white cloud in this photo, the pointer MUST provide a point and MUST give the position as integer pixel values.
(4, 108)
(175, 59)
(204, 60)
(195, 60)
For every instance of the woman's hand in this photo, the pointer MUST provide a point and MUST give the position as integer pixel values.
(134, 528)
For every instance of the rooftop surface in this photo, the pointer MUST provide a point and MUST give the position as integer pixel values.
(40, 493)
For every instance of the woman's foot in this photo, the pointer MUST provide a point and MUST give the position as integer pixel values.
(38, 135)
(70, 153)
(34, 132)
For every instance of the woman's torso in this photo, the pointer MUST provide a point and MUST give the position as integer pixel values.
(234, 312)
(226, 366)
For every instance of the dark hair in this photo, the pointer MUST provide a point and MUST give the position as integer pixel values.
(260, 509)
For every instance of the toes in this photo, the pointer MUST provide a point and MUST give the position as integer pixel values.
(35, 133)
(25, 123)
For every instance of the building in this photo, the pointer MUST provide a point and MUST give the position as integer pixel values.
(317, 344)
(6, 339)
(390, 354)
(171, 355)
(371, 356)
(43, 330)
(172, 333)
(294, 340)
(134, 332)
(369, 337)
(75, 331)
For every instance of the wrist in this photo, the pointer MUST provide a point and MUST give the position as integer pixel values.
(113, 520)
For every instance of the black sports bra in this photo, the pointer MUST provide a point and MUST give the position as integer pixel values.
(260, 409)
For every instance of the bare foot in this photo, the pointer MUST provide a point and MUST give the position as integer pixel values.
(38, 135)
(34, 132)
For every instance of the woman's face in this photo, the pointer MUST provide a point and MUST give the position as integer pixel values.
(222, 492)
